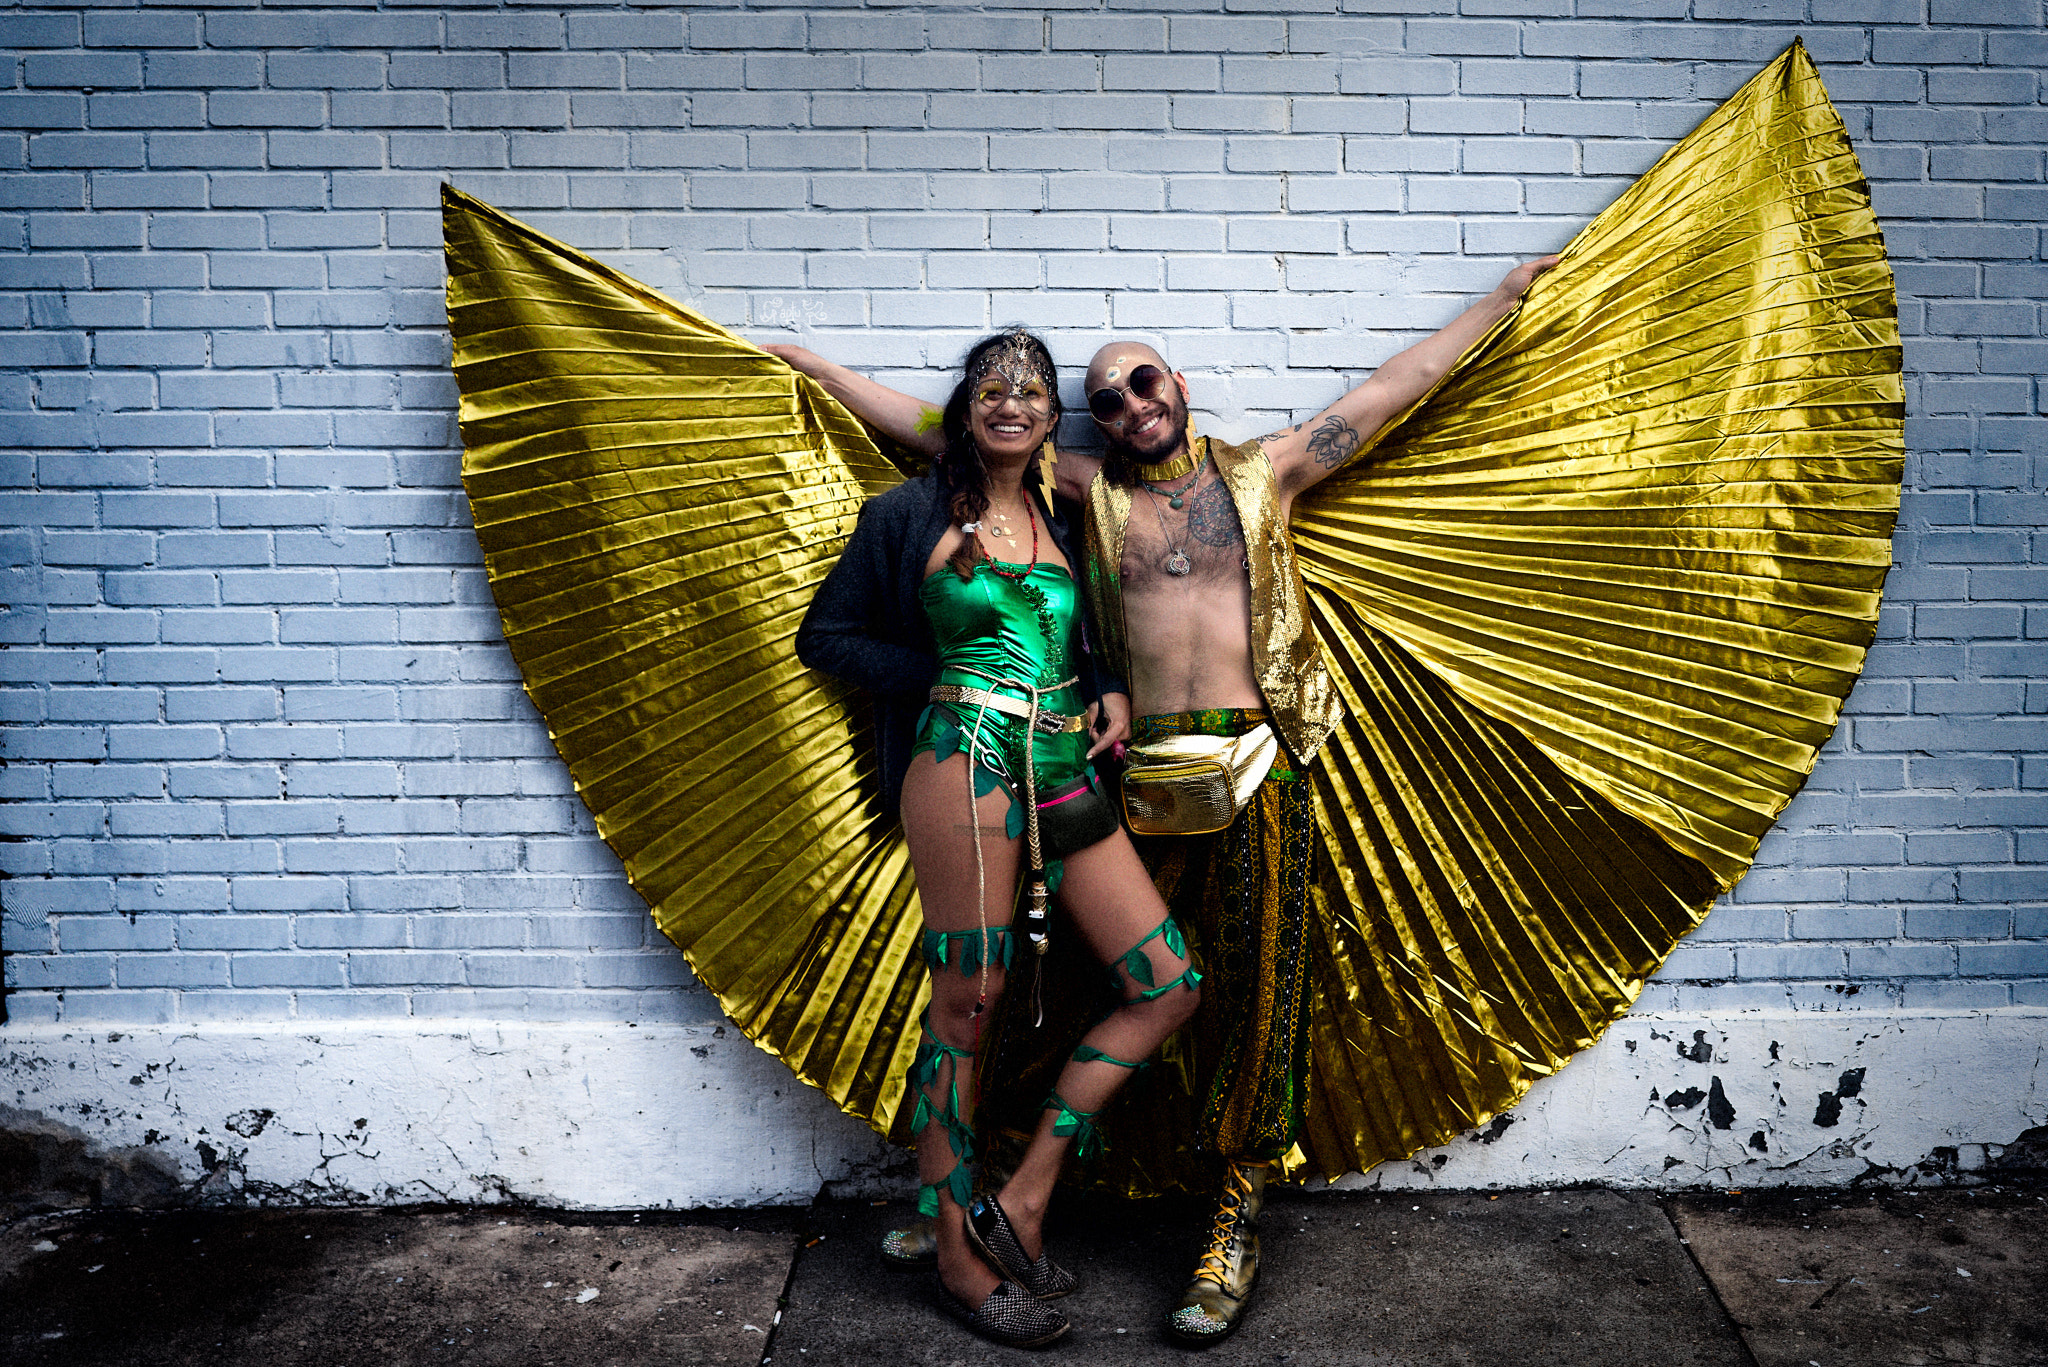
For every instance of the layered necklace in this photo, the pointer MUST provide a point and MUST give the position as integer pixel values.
(1008, 534)
(1177, 563)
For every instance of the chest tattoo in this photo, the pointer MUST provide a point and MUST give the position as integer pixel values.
(1212, 517)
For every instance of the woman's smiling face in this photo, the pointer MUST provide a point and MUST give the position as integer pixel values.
(1009, 414)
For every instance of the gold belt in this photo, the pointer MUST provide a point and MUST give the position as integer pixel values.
(1046, 723)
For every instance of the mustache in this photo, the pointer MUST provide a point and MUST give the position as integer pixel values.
(1176, 419)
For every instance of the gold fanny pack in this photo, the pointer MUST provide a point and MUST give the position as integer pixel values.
(1192, 785)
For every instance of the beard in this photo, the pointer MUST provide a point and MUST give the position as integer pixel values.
(1119, 455)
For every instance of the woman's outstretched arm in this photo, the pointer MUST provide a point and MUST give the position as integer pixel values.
(905, 419)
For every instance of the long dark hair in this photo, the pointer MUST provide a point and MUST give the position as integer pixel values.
(962, 474)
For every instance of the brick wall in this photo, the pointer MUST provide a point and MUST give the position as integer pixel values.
(267, 758)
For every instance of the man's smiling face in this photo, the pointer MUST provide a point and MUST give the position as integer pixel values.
(1146, 430)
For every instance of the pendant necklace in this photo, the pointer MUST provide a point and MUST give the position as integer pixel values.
(1176, 558)
(1025, 573)
(1177, 497)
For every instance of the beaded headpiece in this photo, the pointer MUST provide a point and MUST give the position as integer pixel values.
(1018, 357)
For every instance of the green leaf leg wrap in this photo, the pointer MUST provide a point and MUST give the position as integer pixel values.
(967, 948)
(1135, 962)
(924, 1072)
(1187, 980)
(1080, 1124)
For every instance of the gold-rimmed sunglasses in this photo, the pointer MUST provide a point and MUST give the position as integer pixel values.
(1148, 382)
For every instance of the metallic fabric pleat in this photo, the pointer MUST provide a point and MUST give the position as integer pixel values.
(657, 500)
(1481, 916)
(1647, 525)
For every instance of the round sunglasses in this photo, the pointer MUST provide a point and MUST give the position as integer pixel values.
(1147, 382)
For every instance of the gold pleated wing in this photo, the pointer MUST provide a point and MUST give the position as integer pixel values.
(1593, 607)
(657, 500)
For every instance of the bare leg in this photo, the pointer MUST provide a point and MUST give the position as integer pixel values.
(942, 834)
(1115, 906)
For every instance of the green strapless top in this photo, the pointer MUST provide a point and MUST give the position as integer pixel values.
(997, 627)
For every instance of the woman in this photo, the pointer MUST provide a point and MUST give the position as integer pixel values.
(955, 603)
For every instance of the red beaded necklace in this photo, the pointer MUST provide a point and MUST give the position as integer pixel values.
(1024, 573)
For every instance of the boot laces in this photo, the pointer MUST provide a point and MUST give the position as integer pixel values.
(1214, 1263)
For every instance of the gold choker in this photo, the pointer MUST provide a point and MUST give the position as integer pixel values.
(1173, 469)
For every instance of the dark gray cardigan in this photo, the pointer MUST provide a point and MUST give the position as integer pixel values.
(867, 626)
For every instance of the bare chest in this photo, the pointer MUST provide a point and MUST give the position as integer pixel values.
(1199, 545)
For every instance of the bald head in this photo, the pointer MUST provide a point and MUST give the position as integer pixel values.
(1150, 419)
(1115, 361)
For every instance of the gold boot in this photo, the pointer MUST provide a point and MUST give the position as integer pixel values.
(915, 1245)
(1214, 1303)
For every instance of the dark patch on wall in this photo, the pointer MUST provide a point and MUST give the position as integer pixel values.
(1829, 1112)
(249, 1124)
(1758, 1142)
(1685, 1100)
(1494, 1130)
(1719, 1110)
(1699, 1051)
(2026, 1154)
(47, 1165)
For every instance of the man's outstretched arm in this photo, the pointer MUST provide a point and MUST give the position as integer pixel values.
(1307, 451)
(911, 421)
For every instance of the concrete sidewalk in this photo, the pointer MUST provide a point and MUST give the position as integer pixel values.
(1587, 1276)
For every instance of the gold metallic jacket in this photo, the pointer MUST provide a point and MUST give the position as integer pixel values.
(1285, 657)
(1590, 611)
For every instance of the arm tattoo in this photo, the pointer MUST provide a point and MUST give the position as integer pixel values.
(1331, 444)
(1283, 432)
(1212, 517)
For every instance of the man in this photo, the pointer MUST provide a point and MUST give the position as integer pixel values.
(1198, 599)
(1199, 602)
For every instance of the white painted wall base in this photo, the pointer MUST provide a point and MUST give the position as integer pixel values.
(602, 1116)
(1640, 1108)
(579, 1115)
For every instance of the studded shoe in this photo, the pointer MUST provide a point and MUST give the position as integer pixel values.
(915, 1245)
(1010, 1316)
(1214, 1304)
(989, 1230)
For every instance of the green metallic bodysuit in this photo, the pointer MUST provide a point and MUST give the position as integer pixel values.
(992, 627)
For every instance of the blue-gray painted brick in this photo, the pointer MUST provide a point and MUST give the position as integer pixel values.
(1126, 72)
(1015, 34)
(1109, 33)
(290, 970)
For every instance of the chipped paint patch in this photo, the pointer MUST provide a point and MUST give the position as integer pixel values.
(1781, 1098)
(572, 1115)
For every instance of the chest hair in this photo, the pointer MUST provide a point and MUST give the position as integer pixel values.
(1206, 530)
